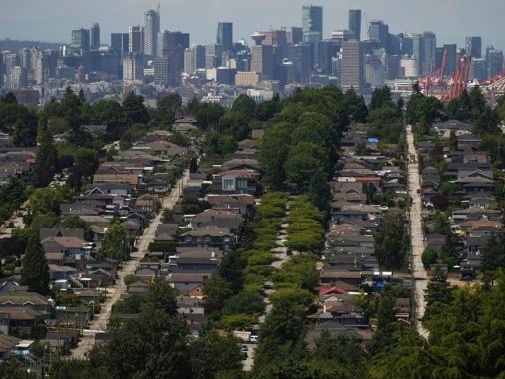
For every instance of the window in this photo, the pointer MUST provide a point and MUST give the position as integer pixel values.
(242, 183)
(228, 184)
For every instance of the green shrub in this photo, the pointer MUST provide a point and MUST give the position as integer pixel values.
(429, 257)
(240, 321)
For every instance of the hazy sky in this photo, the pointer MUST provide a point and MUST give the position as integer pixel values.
(52, 20)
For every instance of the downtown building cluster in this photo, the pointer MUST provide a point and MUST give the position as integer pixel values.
(274, 61)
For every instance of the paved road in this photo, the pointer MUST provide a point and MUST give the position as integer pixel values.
(100, 321)
(416, 233)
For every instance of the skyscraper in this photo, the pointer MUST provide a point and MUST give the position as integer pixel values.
(473, 46)
(171, 45)
(355, 22)
(133, 67)
(494, 60)
(225, 35)
(194, 58)
(119, 42)
(379, 31)
(328, 50)
(136, 39)
(429, 46)
(353, 69)
(312, 19)
(313, 39)
(262, 57)
(95, 36)
(300, 55)
(213, 55)
(151, 30)
(294, 34)
(80, 39)
(161, 71)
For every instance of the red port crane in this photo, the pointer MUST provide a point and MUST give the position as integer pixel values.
(459, 80)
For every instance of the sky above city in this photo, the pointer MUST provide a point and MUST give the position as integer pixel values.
(52, 20)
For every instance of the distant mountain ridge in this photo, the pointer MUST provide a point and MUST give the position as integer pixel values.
(15, 45)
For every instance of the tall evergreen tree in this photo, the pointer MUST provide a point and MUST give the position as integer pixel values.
(46, 160)
(35, 271)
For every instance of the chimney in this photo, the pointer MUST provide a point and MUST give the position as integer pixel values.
(324, 308)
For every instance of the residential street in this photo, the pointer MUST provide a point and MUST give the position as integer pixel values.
(100, 321)
(416, 234)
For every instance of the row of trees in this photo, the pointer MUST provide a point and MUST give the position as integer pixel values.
(391, 241)
(235, 293)
(299, 146)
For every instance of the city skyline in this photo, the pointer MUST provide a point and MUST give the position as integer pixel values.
(450, 21)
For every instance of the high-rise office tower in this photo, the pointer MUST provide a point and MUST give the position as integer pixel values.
(478, 69)
(262, 57)
(1, 72)
(429, 46)
(450, 60)
(355, 22)
(194, 59)
(172, 45)
(313, 39)
(213, 55)
(151, 30)
(300, 57)
(328, 50)
(312, 19)
(119, 42)
(198, 56)
(136, 40)
(375, 71)
(393, 67)
(133, 67)
(494, 61)
(473, 46)
(394, 44)
(353, 70)
(161, 68)
(379, 31)
(294, 34)
(95, 36)
(225, 35)
(80, 39)
(110, 64)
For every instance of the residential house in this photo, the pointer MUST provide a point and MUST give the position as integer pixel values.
(210, 236)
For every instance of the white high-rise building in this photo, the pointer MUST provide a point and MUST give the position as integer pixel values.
(151, 30)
